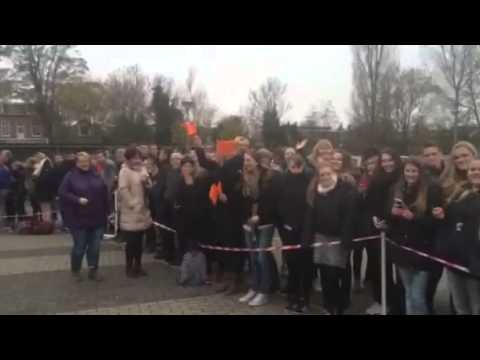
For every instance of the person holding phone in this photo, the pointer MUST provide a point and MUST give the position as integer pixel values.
(84, 202)
(411, 224)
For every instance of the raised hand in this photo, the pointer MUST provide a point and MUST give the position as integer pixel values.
(301, 144)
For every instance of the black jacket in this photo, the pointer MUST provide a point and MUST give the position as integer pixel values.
(57, 174)
(156, 193)
(417, 233)
(332, 214)
(269, 190)
(45, 190)
(376, 198)
(458, 238)
(292, 199)
(191, 209)
(433, 174)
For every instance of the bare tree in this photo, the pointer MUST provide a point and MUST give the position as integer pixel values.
(5, 72)
(412, 87)
(471, 94)
(127, 92)
(268, 99)
(323, 115)
(197, 102)
(454, 62)
(371, 66)
(40, 69)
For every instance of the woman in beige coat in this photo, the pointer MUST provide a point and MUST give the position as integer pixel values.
(133, 184)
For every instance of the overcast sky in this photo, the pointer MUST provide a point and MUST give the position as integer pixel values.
(314, 73)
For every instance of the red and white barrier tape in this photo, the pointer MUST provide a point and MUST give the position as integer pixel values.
(283, 248)
(431, 257)
(296, 247)
(271, 248)
(26, 215)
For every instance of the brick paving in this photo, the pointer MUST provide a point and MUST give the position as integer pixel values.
(35, 279)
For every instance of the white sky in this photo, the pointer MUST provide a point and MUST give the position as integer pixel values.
(314, 73)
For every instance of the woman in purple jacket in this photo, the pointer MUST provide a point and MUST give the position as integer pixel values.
(84, 204)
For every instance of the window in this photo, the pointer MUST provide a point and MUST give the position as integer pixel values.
(4, 128)
(36, 130)
(15, 108)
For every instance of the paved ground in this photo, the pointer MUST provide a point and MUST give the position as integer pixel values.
(35, 279)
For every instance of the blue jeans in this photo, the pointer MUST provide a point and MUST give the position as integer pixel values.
(263, 271)
(86, 241)
(465, 292)
(415, 283)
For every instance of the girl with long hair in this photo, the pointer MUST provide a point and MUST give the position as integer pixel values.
(260, 189)
(459, 241)
(329, 219)
(412, 225)
(376, 205)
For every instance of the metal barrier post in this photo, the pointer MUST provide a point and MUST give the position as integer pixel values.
(383, 272)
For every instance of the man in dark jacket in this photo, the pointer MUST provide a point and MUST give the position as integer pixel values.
(433, 159)
(172, 181)
(291, 208)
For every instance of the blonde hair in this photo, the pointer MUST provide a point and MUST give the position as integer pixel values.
(466, 188)
(82, 154)
(322, 144)
(451, 181)
(240, 140)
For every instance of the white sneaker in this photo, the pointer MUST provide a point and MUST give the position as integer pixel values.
(249, 296)
(374, 309)
(259, 300)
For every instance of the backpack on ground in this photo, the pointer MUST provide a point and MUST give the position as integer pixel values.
(34, 226)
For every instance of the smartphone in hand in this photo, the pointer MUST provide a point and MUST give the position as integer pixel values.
(398, 203)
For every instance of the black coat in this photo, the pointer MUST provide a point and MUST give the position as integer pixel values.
(45, 190)
(458, 237)
(292, 199)
(56, 175)
(191, 210)
(377, 196)
(417, 233)
(156, 196)
(332, 214)
(267, 202)
(292, 206)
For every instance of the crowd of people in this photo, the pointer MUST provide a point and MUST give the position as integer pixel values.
(320, 202)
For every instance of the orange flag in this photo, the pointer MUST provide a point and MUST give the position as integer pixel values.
(215, 191)
(226, 148)
(213, 194)
(190, 128)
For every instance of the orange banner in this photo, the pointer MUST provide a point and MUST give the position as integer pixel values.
(214, 194)
(226, 148)
(190, 128)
